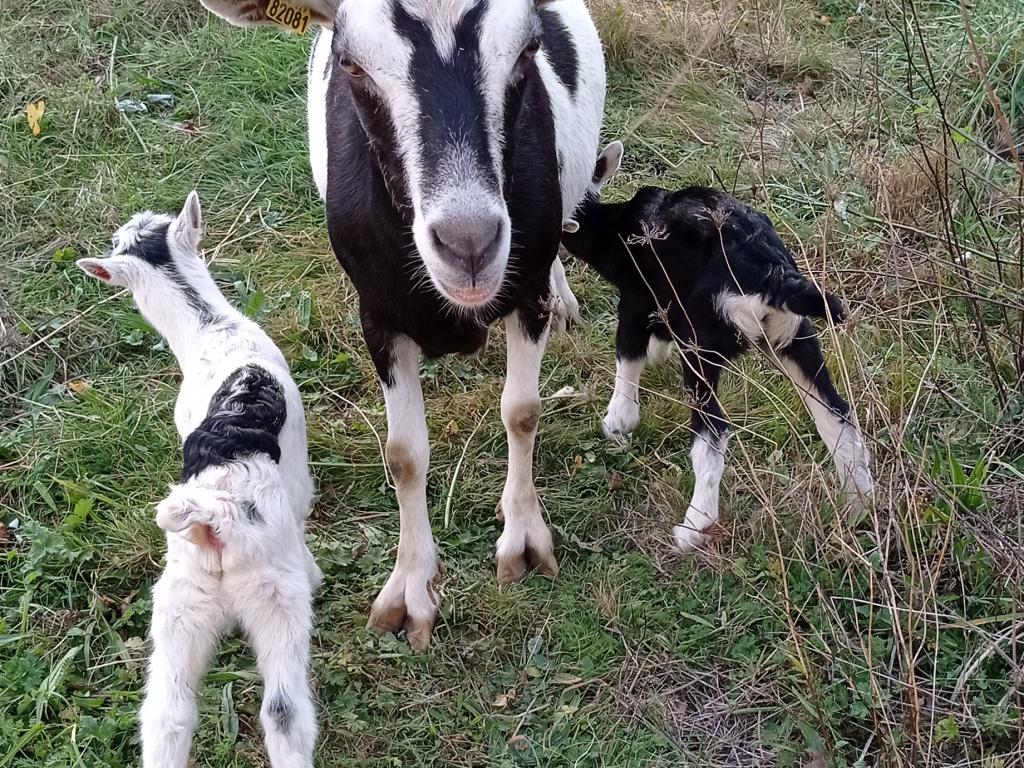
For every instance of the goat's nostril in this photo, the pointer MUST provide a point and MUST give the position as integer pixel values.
(471, 242)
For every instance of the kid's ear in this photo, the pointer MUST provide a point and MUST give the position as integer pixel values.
(608, 164)
(111, 270)
(188, 227)
(570, 226)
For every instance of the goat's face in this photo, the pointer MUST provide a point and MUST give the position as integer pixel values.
(150, 248)
(434, 82)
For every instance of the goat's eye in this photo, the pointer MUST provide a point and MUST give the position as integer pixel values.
(530, 50)
(353, 69)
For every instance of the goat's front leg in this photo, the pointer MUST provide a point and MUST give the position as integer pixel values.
(526, 541)
(408, 600)
(632, 339)
(188, 620)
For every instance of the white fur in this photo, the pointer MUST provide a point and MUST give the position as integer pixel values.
(408, 593)
(566, 308)
(318, 77)
(842, 438)
(756, 320)
(577, 118)
(222, 567)
(372, 42)
(708, 460)
(659, 351)
(623, 413)
(525, 534)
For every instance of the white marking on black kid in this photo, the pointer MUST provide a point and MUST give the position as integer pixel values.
(236, 553)
(450, 139)
(244, 418)
(717, 278)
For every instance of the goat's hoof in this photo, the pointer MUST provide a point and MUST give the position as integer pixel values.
(513, 568)
(687, 539)
(521, 551)
(408, 602)
(618, 435)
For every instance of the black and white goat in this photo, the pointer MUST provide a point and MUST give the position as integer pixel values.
(450, 139)
(236, 552)
(700, 270)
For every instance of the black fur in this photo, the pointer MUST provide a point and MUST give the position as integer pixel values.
(280, 711)
(252, 513)
(151, 246)
(244, 418)
(560, 50)
(369, 219)
(671, 254)
(451, 103)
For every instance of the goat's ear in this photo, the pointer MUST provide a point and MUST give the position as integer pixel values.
(112, 270)
(293, 15)
(608, 164)
(570, 226)
(188, 227)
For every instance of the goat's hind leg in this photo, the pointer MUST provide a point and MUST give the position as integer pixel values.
(708, 441)
(278, 616)
(188, 621)
(804, 363)
(565, 309)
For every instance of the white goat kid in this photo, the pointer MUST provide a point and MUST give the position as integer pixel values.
(235, 547)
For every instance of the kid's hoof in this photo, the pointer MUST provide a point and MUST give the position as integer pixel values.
(620, 440)
(689, 540)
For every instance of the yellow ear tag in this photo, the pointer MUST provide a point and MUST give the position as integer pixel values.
(294, 18)
(34, 113)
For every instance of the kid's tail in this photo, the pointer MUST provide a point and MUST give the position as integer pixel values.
(202, 515)
(802, 297)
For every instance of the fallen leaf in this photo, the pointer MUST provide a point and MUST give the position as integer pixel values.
(502, 700)
(451, 429)
(34, 113)
(577, 465)
(519, 743)
(806, 88)
(614, 481)
(565, 679)
(825, 20)
(78, 386)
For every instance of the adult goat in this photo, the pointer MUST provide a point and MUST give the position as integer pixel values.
(450, 139)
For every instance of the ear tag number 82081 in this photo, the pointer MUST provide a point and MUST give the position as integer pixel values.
(294, 18)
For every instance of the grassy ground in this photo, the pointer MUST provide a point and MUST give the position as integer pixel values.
(891, 639)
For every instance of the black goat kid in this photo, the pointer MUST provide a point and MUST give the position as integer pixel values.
(701, 270)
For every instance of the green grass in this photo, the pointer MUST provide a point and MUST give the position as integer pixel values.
(894, 638)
